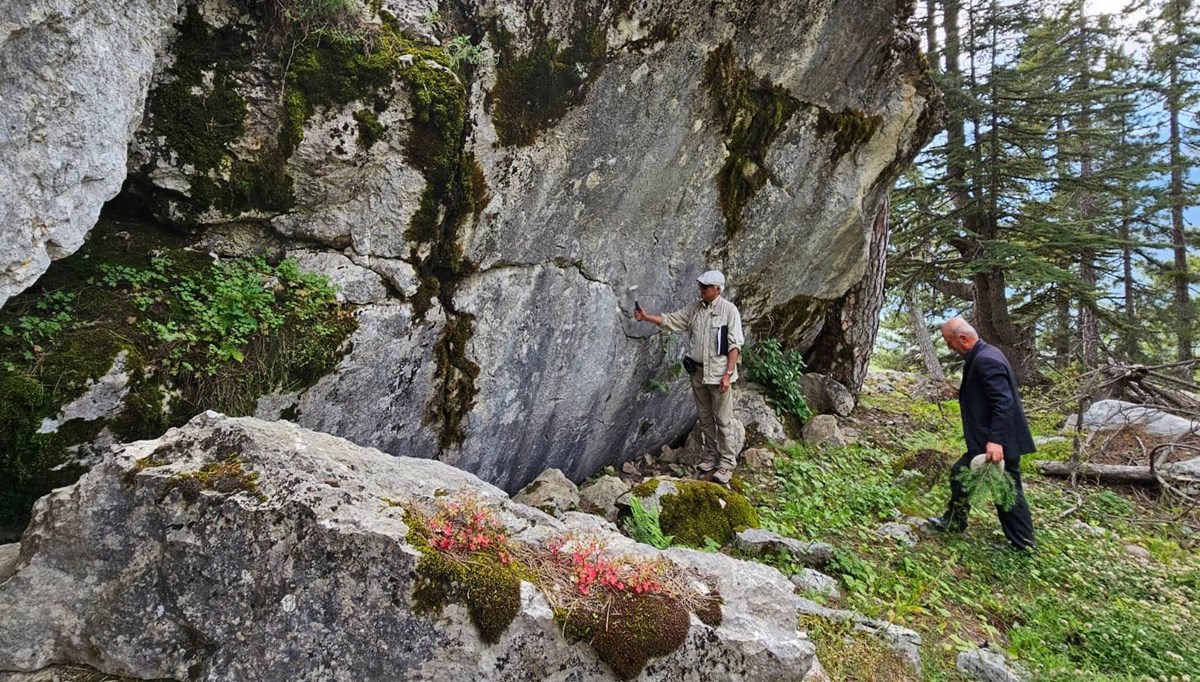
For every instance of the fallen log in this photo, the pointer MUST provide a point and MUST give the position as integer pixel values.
(1107, 473)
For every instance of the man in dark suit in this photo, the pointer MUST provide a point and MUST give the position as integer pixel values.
(993, 424)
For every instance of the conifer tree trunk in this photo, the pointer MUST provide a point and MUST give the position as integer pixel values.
(1175, 193)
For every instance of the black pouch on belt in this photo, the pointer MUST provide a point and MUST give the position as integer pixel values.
(690, 366)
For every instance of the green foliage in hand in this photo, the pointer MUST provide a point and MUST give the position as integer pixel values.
(644, 526)
(989, 483)
(779, 371)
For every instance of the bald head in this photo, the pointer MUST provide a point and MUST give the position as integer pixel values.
(960, 336)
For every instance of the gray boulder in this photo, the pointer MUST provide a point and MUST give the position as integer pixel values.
(762, 424)
(551, 492)
(825, 395)
(1110, 415)
(823, 430)
(74, 77)
(526, 357)
(295, 564)
(988, 665)
(757, 542)
(600, 496)
(810, 582)
(900, 532)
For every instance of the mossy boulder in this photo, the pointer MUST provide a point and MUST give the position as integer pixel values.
(696, 511)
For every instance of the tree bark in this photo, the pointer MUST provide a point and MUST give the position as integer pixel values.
(1183, 304)
(1107, 473)
(916, 316)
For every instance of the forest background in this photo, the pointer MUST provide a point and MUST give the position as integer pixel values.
(1058, 208)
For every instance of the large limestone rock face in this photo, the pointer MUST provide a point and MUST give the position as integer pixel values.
(757, 137)
(74, 74)
(311, 577)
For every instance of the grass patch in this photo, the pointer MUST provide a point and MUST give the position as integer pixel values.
(1081, 607)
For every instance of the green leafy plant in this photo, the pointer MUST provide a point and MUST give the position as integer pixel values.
(644, 526)
(779, 371)
(460, 49)
(989, 482)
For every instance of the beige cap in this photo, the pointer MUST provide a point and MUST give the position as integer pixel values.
(712, 277)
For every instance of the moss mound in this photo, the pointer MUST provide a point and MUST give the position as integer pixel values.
(635, 629)
(700, 510)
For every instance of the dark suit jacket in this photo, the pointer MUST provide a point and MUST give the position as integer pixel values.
(991, 407)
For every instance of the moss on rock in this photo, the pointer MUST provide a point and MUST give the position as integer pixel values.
(227, 477)
(454, 376)
(634, 629)
(752, 112)
(138, 290)
(849, 129)
(490, 588)
(536, 89)
(198, 113)
(699, 510)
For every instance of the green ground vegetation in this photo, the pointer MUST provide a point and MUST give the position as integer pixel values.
(779, 372)
(197, 334)
(1081, 607)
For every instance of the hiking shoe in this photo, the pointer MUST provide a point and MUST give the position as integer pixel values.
(941, 525)
(723, 476)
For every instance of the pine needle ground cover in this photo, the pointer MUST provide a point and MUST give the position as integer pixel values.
(1084, 606)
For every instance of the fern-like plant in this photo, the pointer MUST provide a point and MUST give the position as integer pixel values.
(989, 483)
(644, 526)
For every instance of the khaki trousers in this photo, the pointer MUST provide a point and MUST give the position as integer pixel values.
(715, 418)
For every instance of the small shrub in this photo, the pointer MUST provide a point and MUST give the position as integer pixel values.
(779, 372)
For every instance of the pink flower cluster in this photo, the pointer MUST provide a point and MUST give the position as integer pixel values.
(465, 527)
(593, 569)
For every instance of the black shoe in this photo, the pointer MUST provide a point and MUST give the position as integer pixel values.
(941, 525)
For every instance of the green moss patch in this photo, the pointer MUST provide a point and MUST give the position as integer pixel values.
(534, 90)
(227, 477)
(702, 510)
(752, 112)
(849, 129)
(198, 112)
(488, 584)
(196, 334)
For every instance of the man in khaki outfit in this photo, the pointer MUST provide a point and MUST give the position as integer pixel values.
(714, 328)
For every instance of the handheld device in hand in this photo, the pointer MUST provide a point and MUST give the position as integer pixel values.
(637, 305)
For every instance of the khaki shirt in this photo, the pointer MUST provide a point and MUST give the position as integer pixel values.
(702, 321)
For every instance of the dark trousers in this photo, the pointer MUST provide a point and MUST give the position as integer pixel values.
(1016, 522)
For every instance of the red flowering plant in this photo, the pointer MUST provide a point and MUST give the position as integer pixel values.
(468, 556)
(631, 609)
(463, 526)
